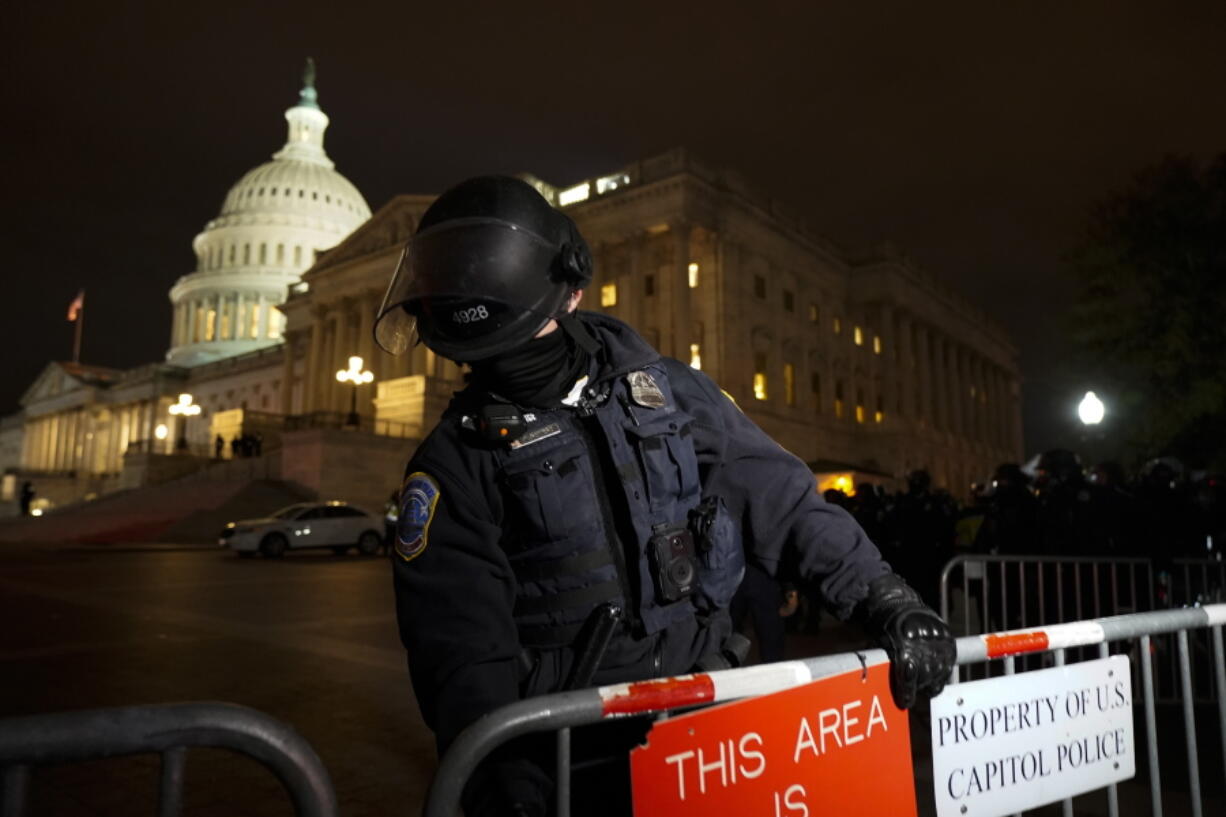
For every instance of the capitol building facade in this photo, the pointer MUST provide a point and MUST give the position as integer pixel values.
(863, 365)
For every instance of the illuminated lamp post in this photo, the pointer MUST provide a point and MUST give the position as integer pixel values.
(355, 376)
(186, 408)
(1091, 409)
(1091, 412)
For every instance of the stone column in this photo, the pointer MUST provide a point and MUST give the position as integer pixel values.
(906, 369)
(959, 390)
(336, 354)
(29, 444)
(313, 365)
(242, 318)
(1000, 434)
(924, 370)
(682, 318)
(979, 425)
(636, 301)
(47, 445)
(364, 343)
(191, 321)
(266, 307)
(56, 446)
(936, 375)
(287, 373)
(886, 365)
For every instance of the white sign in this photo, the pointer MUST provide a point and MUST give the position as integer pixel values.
(1008, 744)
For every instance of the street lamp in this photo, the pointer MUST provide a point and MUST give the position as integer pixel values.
(1091, 409)
(186, 408)
(355, 376)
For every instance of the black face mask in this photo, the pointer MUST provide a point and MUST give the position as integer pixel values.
(538, 373)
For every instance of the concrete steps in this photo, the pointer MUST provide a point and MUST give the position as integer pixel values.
(184, 511)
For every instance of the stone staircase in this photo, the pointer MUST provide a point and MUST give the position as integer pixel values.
(189, 510)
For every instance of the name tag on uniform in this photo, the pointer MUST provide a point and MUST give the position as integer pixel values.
(536, 435)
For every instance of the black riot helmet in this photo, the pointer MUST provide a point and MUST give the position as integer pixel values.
(490, 264)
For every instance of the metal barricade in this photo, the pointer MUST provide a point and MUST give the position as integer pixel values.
(981, 592)
(566, 710)
(170, 730)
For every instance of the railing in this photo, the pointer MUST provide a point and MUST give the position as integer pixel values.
(170, 730)
(566, 710)
(340, 420)
(989, 592)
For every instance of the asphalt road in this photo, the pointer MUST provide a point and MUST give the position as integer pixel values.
(310, 639)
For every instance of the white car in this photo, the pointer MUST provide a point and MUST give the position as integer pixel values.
(306, 525)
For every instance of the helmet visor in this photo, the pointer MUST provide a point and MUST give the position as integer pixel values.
(470, 280)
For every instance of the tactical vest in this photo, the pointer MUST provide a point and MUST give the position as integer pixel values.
(558, 529)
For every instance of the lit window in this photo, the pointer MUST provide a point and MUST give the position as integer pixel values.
(608, 295)
(859, 405)
(573, 195)
(789, 302)
(813, 314)
(876, 344)
(759, 286)
(879, 414)
(838, 399)
(838, 326)
(275, 323)
(649, 285)
(607, 183)
(693, 270)
(857, 336)
(789, 384)
(759, 376)
(255, 322)
(695, 356)
(210, 324)
(226, 312)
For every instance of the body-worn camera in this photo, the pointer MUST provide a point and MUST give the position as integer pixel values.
(673, 562)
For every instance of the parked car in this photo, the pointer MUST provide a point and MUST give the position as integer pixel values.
(336, 525)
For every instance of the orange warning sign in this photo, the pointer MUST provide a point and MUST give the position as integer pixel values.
(835, 746)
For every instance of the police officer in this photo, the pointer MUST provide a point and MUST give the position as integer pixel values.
(580, 471)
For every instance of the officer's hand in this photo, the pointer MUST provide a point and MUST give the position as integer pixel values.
(507, 786)
(919, 643)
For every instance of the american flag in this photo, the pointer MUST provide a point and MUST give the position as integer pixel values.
(74, 308)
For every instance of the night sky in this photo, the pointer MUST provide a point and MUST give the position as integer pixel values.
(973, 135)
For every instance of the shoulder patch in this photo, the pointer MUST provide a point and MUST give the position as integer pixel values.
(417, 502)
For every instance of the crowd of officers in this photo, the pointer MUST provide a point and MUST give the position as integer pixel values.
(1058, 509)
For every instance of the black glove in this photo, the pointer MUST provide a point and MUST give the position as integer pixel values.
(508, 786)
(920, 645)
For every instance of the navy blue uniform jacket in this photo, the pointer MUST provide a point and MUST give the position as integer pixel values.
(456, 595)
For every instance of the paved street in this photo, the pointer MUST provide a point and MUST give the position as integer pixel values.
(310, 639)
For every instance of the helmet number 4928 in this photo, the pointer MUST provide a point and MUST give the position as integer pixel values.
(470, 315)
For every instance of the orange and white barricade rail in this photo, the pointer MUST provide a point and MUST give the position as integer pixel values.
(742, 756)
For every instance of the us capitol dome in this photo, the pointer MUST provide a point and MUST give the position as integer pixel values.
(272, 224)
